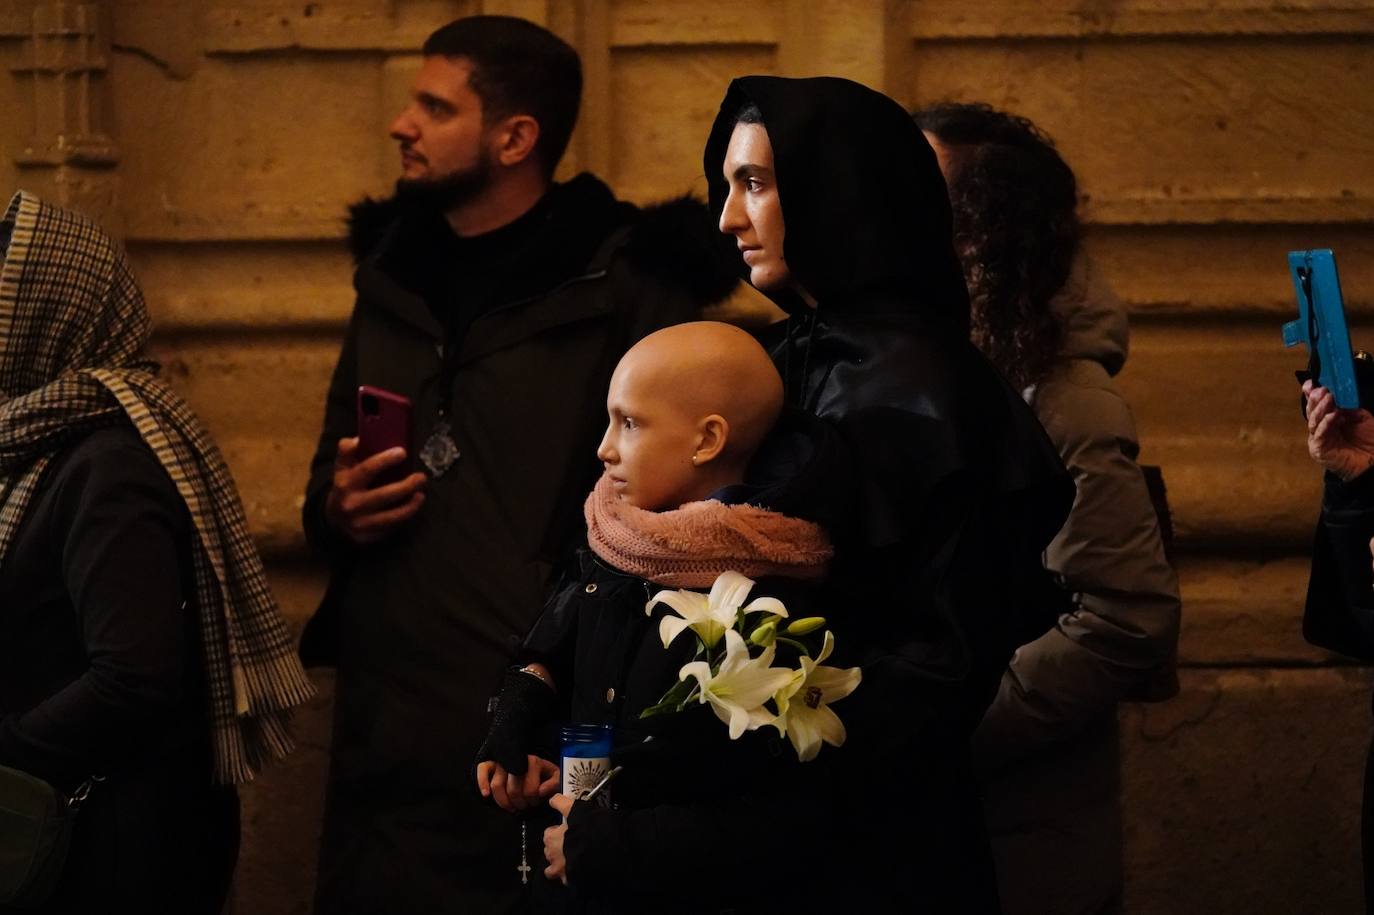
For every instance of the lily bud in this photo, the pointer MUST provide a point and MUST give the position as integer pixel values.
(805, 624)
(765, 634)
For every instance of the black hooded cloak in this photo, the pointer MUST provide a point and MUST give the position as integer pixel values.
(957, 489)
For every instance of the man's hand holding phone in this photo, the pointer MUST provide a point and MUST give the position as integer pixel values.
(362, 508)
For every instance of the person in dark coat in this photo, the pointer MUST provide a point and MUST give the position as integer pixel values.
(498, 302)
(595, 657)
(1339, 614)
(1047, 747)
(143, 663)
(839, 214)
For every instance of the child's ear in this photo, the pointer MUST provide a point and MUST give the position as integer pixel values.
(712, 435)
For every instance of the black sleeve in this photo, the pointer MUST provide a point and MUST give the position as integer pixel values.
(119, 522)
(340, 421)
(1340, 592)
(552, 641)
(937, 508)
(639, 853)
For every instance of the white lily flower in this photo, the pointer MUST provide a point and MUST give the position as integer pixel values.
(804, 713)
(710, 615)
(743, 684)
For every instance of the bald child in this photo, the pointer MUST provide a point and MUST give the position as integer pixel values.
(687, 411)
(688, 406)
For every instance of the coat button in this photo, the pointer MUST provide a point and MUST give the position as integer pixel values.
(610, 694)
(591, 588)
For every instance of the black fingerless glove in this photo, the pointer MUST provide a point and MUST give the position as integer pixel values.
(524, 709)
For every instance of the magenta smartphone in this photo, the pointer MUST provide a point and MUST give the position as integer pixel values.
(384, 421)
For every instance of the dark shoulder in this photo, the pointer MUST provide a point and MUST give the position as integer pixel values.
(905, 338)
(672, 245)
(368, 222)
(900, 365)
(113, 466)
(675, 244)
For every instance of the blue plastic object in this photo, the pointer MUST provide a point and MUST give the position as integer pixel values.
(1321, 324)
(586, 759)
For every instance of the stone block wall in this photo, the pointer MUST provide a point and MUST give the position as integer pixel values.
(222, 139)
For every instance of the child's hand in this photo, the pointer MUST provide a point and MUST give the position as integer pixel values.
(553, 840)
(514, 793)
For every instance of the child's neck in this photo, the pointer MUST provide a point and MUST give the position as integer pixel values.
(710, 484)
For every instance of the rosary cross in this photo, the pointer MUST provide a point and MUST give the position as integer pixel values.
(524, 867)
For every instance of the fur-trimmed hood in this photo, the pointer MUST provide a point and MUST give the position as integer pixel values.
(673, 241)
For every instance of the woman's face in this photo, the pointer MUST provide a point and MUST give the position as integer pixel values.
(753, 209)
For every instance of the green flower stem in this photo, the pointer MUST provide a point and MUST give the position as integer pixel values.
(806, 652)
(679, 692)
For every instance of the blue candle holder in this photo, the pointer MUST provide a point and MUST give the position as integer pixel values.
(586, 760)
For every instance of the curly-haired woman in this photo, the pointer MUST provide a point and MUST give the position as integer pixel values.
(1047, 747)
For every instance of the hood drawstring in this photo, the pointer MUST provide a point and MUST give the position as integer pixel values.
(807, 323)
(787, 363)
(806, 360)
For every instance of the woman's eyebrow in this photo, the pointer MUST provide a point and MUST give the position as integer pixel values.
(749, 170)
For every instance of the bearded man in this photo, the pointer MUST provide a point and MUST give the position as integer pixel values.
(498, 302)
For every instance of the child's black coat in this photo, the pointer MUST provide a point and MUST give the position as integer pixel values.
(701, 823)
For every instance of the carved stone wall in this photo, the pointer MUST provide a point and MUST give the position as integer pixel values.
(223, 139)
(57, 142)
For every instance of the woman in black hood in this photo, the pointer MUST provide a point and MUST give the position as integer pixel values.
(957, 489)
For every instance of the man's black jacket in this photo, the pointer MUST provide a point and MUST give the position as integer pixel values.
(424, 623)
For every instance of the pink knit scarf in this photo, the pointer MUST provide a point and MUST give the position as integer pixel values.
(691, 546)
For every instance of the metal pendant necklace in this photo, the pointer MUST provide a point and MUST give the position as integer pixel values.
(439, 451)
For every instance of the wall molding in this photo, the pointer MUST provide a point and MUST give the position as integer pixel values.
(647, 23)
(944, 20)
(1278, 209)
(324, 221)
(14, 23)
(246, 31)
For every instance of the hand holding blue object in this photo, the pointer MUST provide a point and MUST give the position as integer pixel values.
(1321, 325)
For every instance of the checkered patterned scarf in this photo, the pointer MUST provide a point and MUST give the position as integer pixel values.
(73, 327)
